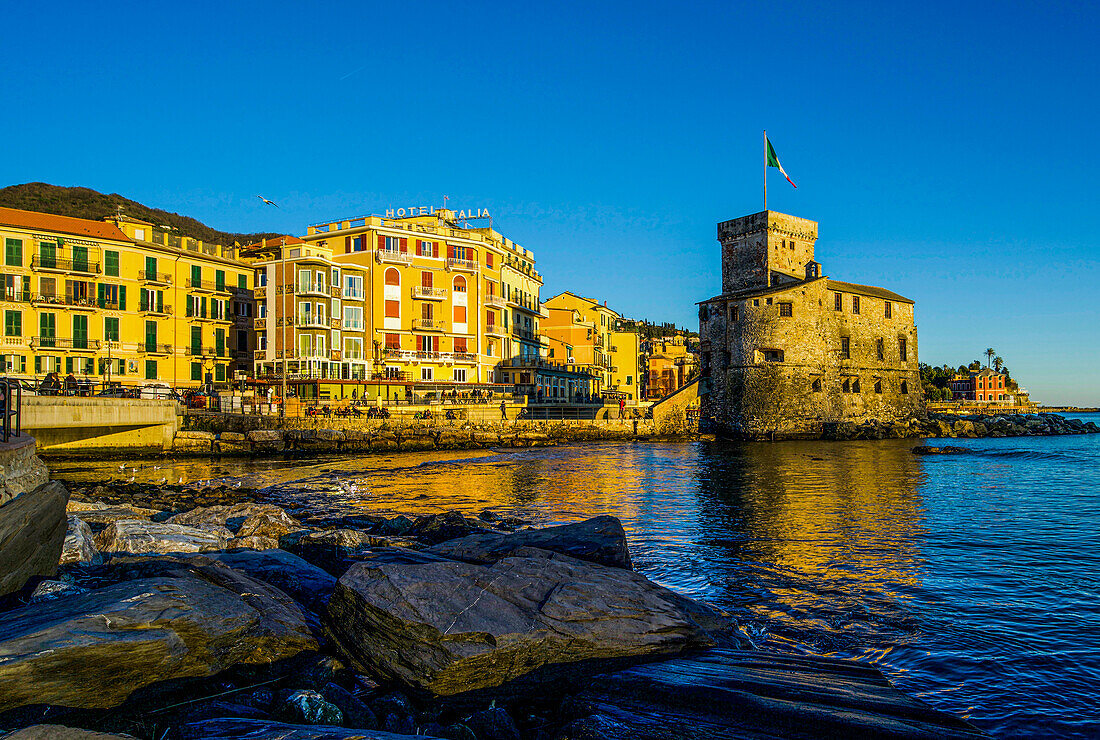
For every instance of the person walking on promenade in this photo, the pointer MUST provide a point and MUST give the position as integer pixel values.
(622, 407)
(503, 410)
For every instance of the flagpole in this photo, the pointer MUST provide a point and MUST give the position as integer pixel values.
(765, 169)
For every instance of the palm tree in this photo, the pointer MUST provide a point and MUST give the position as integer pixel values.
(989, 355)
(998, 363)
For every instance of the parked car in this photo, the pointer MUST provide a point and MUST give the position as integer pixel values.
(157, 391)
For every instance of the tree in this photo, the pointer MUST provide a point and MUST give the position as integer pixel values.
(976, 365)
(998, 363)
(989, 352)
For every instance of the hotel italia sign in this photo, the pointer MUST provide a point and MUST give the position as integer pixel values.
(427, 211)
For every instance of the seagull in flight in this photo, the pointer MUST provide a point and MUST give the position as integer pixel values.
(269, 202)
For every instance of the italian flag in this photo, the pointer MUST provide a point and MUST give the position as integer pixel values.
(773, 161)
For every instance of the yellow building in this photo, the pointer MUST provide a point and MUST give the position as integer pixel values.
(418, 300)
(120, 300)
(671, 366)
(593, 331)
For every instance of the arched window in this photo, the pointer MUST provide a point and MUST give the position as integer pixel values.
(855, 386)
(459, 284)
(393, 277)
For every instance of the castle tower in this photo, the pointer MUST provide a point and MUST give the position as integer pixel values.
(765, 249)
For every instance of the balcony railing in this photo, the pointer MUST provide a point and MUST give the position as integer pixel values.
(164, 278)
(335, 292)
(353, 295)
(310, 321)
(38, 262)
(73, 301)
(521, 333)
(387, 255)
(426, 293)
(195, 350)
(455, 263)
(65, 343)
(150, 307)
(260, 292)
(208, 285)
(495, 301)
(259, 355)
(353, 326)
(154, 348)
(496, 330)
(312, 288)
(429, 324)
(22, 296)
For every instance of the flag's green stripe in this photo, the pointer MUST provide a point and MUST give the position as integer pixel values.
(773, 161)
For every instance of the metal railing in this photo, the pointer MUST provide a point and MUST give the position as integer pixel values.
(387, 255)
(38, 262)
(422, 291)
(456, 263)
(431, 324)
(152, 276)
(153, 307)
(64, 343)
(11, 405)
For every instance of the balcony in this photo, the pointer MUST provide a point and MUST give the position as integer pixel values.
(455, 263)
(335, 292)
(429, 324)
(55, 264)
(75, 345)
(259, 355)
(353, 295)
(14, 341)
(260, 292)
(23, 296)
(195, 350)
(353, 326)
(317, 289)
(495, 301)
(158, 278)
(208, 286)
(311, 322)
(520, 333)
(465, 357)
(428, 294)
(70, 300)
(389, 256)
(162, 309)
(496, 331)
(154, 348)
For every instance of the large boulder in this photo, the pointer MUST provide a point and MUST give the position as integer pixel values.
(139, 537)
(734, 694)
(60, 732)
(93, 650)
(306, 583)
(244, 519)
(79, 545)
(449, 627)
(435, 528)
(32, 533)
(256, 729)
(336, 549)
(600, 540)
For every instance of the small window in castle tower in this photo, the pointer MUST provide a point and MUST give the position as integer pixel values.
(734, 313)
(855, 304)
(838, 301)
(773, 355)
(903, 352)
(786, 309)
(880, 349)
(816, 385)
(889, 310)
(878, 386)
(855, 386)
(756, 301)
(904, 388)
(846, 386)
(846, 348)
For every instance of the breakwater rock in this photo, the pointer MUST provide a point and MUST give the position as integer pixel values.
(364, 626)
(946, 425)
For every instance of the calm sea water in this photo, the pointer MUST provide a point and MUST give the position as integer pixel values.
(972, 581)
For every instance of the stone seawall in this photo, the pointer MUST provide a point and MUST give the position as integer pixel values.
(237, 434)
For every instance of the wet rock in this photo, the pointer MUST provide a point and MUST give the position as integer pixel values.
(305, 583)
(79, 545)
(356, 713)
(60, 732)
(450, 627)
(235, 517)
(213, 709)
(336, 550)
(266, 440)
(252, 543)
(493, 724)
(32, 533)
(93, 650)
(268, 523)
(600, 540)
(309, 707)
(944, 450)
(398, 525)
(196, 442)
(435, 528)
(728, 694)
(49, 590)
(399, 725)
(134, 536)
(253, 729)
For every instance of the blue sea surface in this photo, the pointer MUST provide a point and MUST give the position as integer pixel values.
(972, 580)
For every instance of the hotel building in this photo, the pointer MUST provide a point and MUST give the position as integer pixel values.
(120, 300)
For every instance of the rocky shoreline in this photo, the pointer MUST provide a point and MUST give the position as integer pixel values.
(205, 614)
(972, 426)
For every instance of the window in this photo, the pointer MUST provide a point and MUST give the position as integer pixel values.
(196, 276)
(460, 345)
(261, 275)
(139, 234)
(110, 263)
(425, 373)
(151, 370)
(393, 341)
(47, 329)
(845, 348)
(110, 328)
(425, 279)
(80, 332)
(490, 318)
(880, 349)
(838, 302)
(13, 323)
(47, 255)
(772, 355)
(242, 283)
(786, 309)
(855, 386)
(13, 252)
(460, 314)
(488, 259)
(846, 386)
(196, 371)
(878, 386)
(756, 301)
(889, 310)
(242, 341)
(393, 277)
(816, 385)
(734, 313)
(219, 373)
(353, 317)
(703, 313)
(855, 304)
(150, 337)
(353, 286)
(459, 374)
(426, 311)
(903, 353)
(393, 309)
(904, 388)
(150, 268)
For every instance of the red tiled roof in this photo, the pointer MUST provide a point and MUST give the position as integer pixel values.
(60, 224)
(275, 241)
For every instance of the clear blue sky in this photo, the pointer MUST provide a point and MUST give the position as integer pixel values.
(949, 151)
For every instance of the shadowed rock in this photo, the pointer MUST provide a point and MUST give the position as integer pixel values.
(451, 627)
(133, 536)
(79, 545)
(600, 540)
(305, 582)
(32, 532)
(94, 649)
(254, 729)
(60, 732)
(727, 694)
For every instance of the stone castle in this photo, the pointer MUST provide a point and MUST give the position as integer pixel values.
(787, 352)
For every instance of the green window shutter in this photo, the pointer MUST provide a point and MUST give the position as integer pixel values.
(203, 313)
(196, 371)
(18, 323)
(219, 279)
(122, 298)
(150, 268)
(80, 259)
(219, 373)
(242, 282)
(110, 263)
(150, 369)
(150, 334)
(47, 255)
(160, 301)
(100, 300)
(37, 364)
(196, 276)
